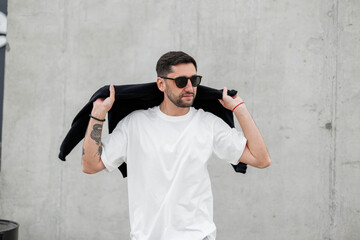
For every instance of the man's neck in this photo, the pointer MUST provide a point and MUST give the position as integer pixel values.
(172, 110)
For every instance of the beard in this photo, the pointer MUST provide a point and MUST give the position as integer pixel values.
(177, 100)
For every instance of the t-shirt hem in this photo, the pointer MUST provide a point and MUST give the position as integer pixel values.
(108, 166)
(238, 154)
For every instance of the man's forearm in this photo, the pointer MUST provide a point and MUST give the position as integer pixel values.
(91, 159)
(92, 148)
(255, 141)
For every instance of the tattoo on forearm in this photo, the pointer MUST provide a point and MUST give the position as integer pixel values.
(96, 133)
(99, 151)
(96, 136)
(83, 151)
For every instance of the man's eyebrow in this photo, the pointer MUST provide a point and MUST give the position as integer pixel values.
(186, 76)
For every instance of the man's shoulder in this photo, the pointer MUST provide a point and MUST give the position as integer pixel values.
(136, 117)
(205, 114)
(139, 113)
(206, 117)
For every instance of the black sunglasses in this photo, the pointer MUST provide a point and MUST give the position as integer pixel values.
(182, 81)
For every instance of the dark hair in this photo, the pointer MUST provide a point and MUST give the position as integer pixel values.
(169, 59)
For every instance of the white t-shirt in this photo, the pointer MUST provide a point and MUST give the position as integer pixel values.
(169, 188)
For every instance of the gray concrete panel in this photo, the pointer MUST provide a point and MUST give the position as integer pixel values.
(347, 156)
(295, 63)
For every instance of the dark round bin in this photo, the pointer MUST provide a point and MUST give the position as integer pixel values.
(8, 230)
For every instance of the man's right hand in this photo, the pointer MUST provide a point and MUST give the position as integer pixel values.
(102, 106)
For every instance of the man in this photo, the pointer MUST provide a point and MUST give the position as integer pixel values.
(166, 149)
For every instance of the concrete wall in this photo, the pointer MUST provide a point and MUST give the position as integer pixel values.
(295, 63)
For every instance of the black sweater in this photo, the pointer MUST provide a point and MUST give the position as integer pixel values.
(141, 96)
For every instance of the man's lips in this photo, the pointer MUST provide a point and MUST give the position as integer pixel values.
(187, 95)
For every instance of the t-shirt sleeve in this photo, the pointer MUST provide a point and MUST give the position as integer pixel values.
(114, 147)
(229, 143)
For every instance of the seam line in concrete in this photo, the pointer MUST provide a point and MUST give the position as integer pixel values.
(332, 185)
(65, 25)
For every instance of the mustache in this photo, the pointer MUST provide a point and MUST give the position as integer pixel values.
(187, 93)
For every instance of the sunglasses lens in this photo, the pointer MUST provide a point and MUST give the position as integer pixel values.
(181, 82)
(195, 80)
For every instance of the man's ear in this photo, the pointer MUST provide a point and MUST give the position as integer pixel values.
(161, 84)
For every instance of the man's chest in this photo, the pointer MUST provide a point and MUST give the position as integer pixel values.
(170, 145)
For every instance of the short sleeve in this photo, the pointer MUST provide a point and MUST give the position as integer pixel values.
(114, 147)
(229, 143)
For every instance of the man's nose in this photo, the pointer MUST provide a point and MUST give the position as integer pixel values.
(189, 85)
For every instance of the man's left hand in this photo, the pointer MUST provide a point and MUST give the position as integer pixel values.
(229, 102)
